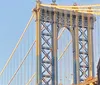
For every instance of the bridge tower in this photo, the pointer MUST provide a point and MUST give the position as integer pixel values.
(48, 23)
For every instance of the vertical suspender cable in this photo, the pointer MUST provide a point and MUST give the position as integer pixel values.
(21, 73)
(68, 59)
(16, 46)
(61, 59)
(25, 57)
(98, 36)
(71, 28)
(14, 67)
(64, 50)
(18, 64)
(28, 63)
(95, 43)
(65, 56)
(32, 59)
(58, 60)
(32, 64)
(24, 62)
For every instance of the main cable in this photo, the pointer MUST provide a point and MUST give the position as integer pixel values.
(82, 6)
(21, 63)
(14, 50)
(29, 81)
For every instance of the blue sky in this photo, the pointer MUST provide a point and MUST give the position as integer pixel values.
(14, 15)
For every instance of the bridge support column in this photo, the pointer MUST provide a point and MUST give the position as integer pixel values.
(83, 64)
(75, 52)
(38, 44)
(46, 47)
(90, 46)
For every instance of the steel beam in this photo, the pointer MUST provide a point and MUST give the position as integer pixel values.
(90, 46)
(38, 44)
(80, 26)
(76, 51)
(46, 47)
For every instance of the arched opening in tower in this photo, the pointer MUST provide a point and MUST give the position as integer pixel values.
(65, 57)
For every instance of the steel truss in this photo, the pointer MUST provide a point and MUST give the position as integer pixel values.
(49, 22)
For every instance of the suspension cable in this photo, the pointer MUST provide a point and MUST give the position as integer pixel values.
(26, 56)
(64, 50)
(29, 81)
(73, 8)
(17, 46)
(61, 33)
(94, 5)
(21, 63)
(32, 46)
(9, 59)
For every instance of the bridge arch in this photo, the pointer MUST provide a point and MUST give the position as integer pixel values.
(80, 26)
(65, 57)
